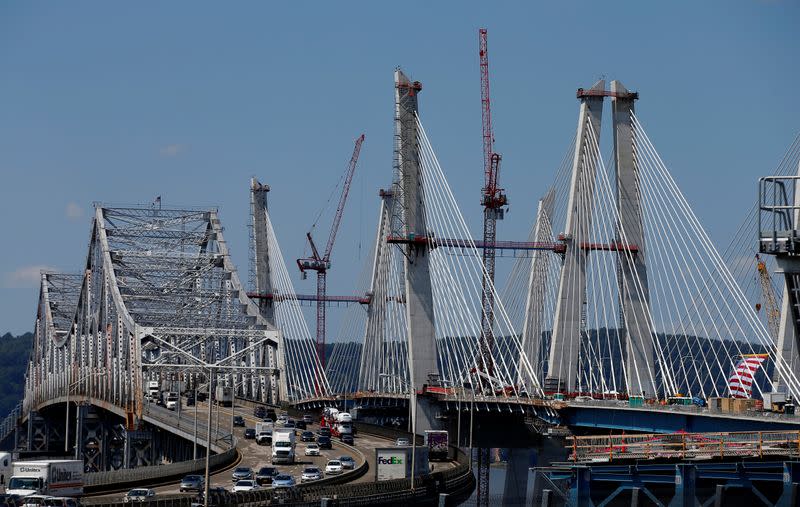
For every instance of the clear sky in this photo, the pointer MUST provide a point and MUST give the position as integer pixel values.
(113, 102)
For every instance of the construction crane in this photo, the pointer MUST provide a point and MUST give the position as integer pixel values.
(493, 200)
(770, 301)
(322, 263)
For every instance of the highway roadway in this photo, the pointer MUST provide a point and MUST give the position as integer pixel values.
(256, 456)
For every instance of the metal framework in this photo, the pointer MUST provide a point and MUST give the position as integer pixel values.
(158, 293)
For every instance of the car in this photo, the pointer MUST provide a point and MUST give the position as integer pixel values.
(402, 442)
(245, 485)
(250, 433)
(324, 442)
(283, 481)
(324, 432)
(300, 425)
(264, 438)
(260, 412)
(334, 467)
(282, 419)
(582, 399)
(242, 474)
(265, 475)
(289, 423)
(312, 449)
(238, 420)
(202, 396)
(347, 438)
(348, 463)
(311, 474)
(33, 500)
(271, 414)
(61, 501)
(192, 483)
(308, 418)
(138, 495)
(307, 436)
(190, 401)
(267, 420)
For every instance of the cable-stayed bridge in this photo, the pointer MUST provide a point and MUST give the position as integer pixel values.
(618, 293)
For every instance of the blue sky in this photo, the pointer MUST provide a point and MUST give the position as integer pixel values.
(103, 101)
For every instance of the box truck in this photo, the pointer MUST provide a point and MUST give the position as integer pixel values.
(283, 445)
(48, 477)
(437, 442)
(224, 396)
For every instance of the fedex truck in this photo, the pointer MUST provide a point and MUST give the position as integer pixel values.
(59, 477)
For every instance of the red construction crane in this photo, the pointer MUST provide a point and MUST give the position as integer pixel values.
(322, 263)
(493, 199)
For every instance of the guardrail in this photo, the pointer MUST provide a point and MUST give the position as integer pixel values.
(121, 479)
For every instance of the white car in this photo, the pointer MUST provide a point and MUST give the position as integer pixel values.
(139, 495)
(245, 485)
(334, 467)
(282, 419)
(582, 399)
(311, 474)
(312, 449)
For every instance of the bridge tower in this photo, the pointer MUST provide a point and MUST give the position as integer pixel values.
(778, 219)
(262, 279)
(410, 224)
(633, 290)
(562, 365)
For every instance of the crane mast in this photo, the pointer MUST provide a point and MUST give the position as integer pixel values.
(493, 199)
(322, 263)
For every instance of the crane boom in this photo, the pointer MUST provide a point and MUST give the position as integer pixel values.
(351, 168)
(321, 264)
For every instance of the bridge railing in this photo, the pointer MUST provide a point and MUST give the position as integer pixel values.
(99, 481)
(9, 424)
(754, 444)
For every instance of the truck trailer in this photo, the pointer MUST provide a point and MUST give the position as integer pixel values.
(60, 477)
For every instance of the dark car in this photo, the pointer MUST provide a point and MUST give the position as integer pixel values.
(324, 442)
(190, 401)
(290, 423)
(347, 438)
(238, 420)
(202, 396)
(300, 425)
(324, 432)
(307, 436)
(265, 475)
(271, 414)
(250, 433)
(259, 412)
(192, 483)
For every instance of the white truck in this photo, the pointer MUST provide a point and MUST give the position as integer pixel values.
(264, 433)
(153, 390)
(60, 477)
(171, 400)
(283, 446)
(224, 396)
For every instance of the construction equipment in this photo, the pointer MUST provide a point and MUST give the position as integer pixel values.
(322, 263)
(770, 305)
(493, 200)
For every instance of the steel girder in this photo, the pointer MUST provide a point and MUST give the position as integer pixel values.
(158, 287)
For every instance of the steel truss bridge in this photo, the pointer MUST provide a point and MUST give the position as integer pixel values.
(620, 293)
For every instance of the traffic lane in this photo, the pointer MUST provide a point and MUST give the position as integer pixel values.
(256, 456)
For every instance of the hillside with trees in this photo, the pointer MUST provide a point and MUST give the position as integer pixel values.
(14, 353)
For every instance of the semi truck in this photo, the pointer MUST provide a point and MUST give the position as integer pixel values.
(283, 446)
(60, 477)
